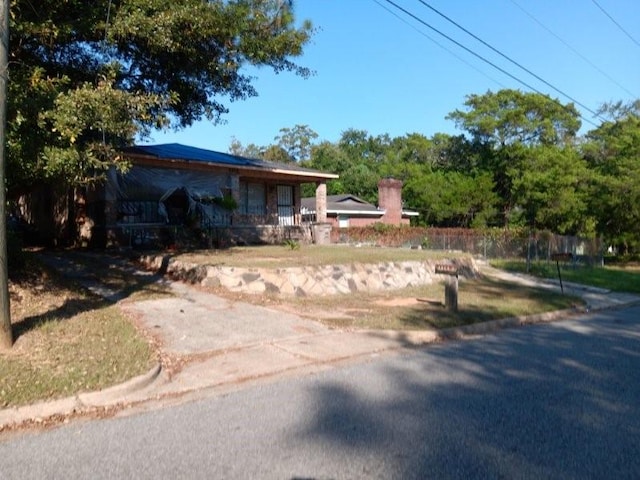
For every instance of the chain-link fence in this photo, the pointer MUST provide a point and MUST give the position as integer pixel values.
(494, 243)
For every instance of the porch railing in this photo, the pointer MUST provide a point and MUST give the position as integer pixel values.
(205, 216)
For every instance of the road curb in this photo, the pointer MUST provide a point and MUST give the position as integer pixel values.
(419, 338)
(617, 306)
(491, 326)
(115, 394)
(41, 411)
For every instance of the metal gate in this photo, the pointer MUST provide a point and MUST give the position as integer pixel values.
(285, 205)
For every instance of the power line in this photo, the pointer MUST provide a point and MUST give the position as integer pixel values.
(477, 55)
(605, 74)
(595, 114)
(463, 47)
(451, 52)
(616, 23)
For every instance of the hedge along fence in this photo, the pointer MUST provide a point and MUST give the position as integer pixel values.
(487, 243)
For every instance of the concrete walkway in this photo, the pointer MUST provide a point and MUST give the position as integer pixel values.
(219, 343)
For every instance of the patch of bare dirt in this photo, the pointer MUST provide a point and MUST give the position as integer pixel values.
(397, 302)
(406, 302)
(314, 313)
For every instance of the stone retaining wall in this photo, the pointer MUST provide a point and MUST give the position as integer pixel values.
(311, 280)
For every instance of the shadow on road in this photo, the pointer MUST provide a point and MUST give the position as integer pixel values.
(551, 401)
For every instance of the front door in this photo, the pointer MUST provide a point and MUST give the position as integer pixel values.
(285, 205)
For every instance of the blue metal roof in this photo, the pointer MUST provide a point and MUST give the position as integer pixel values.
(177, 151)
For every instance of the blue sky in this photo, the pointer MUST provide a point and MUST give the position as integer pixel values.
(379, 73)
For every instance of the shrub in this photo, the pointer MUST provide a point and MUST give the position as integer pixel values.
(292, 244)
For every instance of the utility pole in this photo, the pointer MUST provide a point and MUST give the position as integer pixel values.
(6, 336)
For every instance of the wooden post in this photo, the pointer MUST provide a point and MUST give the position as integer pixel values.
(451, 293)
(450, 286)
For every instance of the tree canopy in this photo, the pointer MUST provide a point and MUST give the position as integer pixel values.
(297, 141)
(613, 152)
(511, 117)
(526, 142)
(87, 78)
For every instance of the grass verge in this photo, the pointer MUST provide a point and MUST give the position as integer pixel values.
(421, 308)
(66, 341)
(415, 308)
(618, 278)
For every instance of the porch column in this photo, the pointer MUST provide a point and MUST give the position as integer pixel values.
(321, 202)
(297, 200)
(233, 184)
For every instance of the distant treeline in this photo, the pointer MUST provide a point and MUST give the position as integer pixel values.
(519, 163)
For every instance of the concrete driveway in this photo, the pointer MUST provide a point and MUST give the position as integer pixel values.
(194, 321)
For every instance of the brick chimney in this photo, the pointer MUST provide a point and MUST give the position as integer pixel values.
(390, 200)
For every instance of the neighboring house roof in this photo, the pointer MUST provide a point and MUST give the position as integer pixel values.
(343, 205)
(172, 153)
(348, 205)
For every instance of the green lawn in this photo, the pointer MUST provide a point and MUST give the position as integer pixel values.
(281, 256)
(619, 279)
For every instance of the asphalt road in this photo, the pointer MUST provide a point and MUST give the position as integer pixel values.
(549, 401)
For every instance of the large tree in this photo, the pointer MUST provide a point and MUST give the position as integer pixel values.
(297, 141)
(613, 153)
(451, 199)
(87, 78)
(250, 151)
(550, 189)
(365, 156)
(327, 157)
(510, 129)
(440, 179)
(509, 117)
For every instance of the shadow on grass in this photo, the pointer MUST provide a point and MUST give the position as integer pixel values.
(68, 310)
(107, 279)
(475, 305)
(431, 316)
